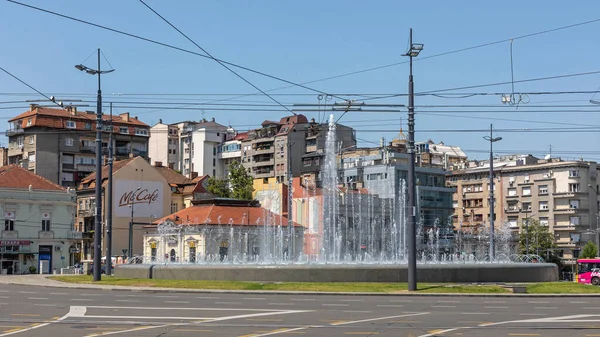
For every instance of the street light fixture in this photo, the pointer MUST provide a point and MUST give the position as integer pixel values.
(492, 140)
(415, 49)
(97, 270)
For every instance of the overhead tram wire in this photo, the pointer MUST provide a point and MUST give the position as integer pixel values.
(292, 84)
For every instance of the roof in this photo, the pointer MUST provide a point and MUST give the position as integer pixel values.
(117, 165)
(14, 176)
(56, 118)
(236, 215)
(241, 136)
(172, 176)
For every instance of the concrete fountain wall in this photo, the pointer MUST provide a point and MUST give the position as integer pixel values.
(491, 272)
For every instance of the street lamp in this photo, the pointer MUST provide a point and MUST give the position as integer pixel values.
(130, 246)
(97, 270)
(415, 49)
(492, 140)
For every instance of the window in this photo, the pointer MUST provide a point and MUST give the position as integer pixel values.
(214, 151)
(88, 126)
(31, 157)
(526, 206)
(454, 204)
(68, 141)
(512, 222)
(512, 192)
(527, 190)
(29, 122)
(124, 130)
(544, 221)
(45, 225)
(174, 207)
(573, 203)
(71, 125)
(265, 180)
(573, 173)
(574, 221)
(9, 225)
(574, 187)
(543, 205)
(31, 140)
(543, 189)
(214, 162)
(141, 132)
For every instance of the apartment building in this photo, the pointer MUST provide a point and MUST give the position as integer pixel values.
(230, 151)
(163, 144)
(447, 157)
(59, 144)
(559, 194)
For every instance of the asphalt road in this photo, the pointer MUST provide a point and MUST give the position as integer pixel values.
(41, 311)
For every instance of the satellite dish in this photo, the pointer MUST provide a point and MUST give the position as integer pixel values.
(548, 156)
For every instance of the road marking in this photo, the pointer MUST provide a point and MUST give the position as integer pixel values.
(45, 305)
(495, 307)
(38, 298)
(27, 292)
(494, 302)
(166, 296)
(579, 302)
(443, 306)
(539, 302)
(344, 300)
(179, 308)
(37, 326)
(303, 299)
(532, 314)
(26, 315)
(62, 294)
(390, 305)
(448, 301)
(282, 303)
(3, 291)
(207, 298)
(4, 296)
(474, 313)
(359, 311)
(81, 299)
(129, 301)
(335, 305)
(405, 321)
(183, 302)
(230, 303)
(254, 298)
(191, 330)
(264, 319)
(362, 333)
(546, 308)
(440, 332)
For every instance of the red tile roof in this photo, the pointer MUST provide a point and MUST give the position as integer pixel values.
(210, 214)
(91, 179)
(14, 176)
(57, 118)
(241, 136)
(172, 176)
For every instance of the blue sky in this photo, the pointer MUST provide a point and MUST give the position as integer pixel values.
(303, 41)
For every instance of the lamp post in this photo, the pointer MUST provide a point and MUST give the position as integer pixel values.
(97, 271)
(597, 230)
(492, 140)
(130, 245)
(415, 49)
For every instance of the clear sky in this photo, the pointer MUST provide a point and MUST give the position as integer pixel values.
(303, 41)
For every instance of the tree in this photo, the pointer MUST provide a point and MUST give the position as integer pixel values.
(589, 251)
(541, 241)
(240, 181)
(218, 187)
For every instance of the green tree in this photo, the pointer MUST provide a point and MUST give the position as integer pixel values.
(240, 181)
(589, 251)
(541, 241)
(218, 187)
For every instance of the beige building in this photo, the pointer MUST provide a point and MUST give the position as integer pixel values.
(163, 144)
(440, 155)
(59, 144)
(559, 194)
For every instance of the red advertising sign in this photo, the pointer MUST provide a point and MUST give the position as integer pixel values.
(15, 243)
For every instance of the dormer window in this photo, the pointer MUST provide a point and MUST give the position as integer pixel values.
(29, 122)
(124, 130)
(71, 125)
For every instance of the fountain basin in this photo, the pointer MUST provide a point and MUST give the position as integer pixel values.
(460, 273)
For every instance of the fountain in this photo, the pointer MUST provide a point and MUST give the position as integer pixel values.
(362, 237)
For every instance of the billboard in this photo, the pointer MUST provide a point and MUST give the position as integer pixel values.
(147, 198)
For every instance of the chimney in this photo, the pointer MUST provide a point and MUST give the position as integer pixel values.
(213, 119)
(135, 118)
(312, 120)
(125, 116)
(194, 175)
(72, 110)
(160, 121)
(172, 166)
(158, 163)
(32, 107)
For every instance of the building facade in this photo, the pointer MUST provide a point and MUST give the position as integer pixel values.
(38, 234)
(163, 144)
(59, 144)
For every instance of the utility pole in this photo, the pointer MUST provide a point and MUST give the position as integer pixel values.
(97, 270)
(492, 200)
(415, 49)
(109, 200)
(289, 201)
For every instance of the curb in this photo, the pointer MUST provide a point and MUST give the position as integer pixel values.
(312, 293)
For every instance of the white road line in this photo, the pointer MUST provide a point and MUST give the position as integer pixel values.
(4, 296)
(45, 305)
(27, 292)
(71, 310)
(443, 306)
(448, 301)
(232, 303)
(532, 314)
(359, 311)
(254, 298)
(335, 305)
(4, 291)
(182, 302)
(579, 302)
(37, 298)
(302, 299)
(538, 302)
(494, 302)
(474, 313)
(440, 332)
(282, 304)
(546, 308)
(390, 305)
(128, 301)
(593, 308)
(179, 308)
(59, 294)
(81, 299)
(207, 298)
(490, 307)
(166, 296)
(343, 300)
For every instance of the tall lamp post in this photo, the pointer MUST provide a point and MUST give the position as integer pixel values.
(97, 270)
(597, 230)
(415, 49)
(492, 140)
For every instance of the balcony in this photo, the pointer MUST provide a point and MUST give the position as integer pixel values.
(263, 174)
(10, 234)
(14, 132)
(268, 162)
(86, 167)
(567, 210)
(568, 194)
(87, 235)
(566, 244)
(85, 212)
(46, 235)
(563, 228)
(311, 148)
(512, 210)
(264, 150)
(75, 235)
(140, 153)
(88, 149)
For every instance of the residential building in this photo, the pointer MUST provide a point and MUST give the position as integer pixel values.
(38, 234)
(59, 144)
(141, 194)
(447, 157)
(559, 194)
(182, 188)
(163, 144)
(219, 230)
(230, 151)
(3, 156)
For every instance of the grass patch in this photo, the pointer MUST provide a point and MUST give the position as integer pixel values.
(562, 288)
(284, 286)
